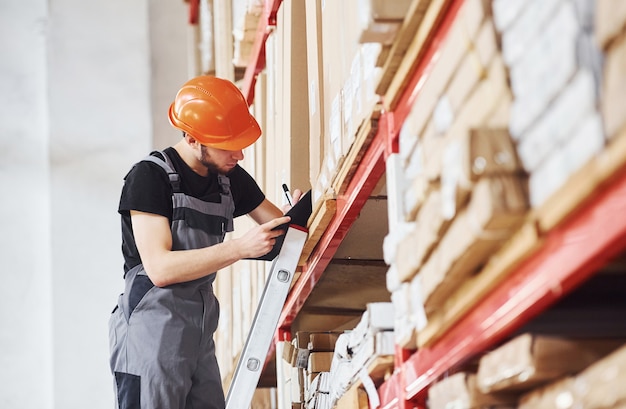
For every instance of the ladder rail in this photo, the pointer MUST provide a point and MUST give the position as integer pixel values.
(265, 322)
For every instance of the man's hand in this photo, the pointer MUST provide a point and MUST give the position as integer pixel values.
(261, 239)
(295, 196)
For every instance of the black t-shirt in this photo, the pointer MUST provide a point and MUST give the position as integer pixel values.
(147, 189)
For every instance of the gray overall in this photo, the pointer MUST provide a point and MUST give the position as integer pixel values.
(161, 339)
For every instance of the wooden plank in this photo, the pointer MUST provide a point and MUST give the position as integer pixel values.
(403, 40)
(383, 56)
(317, 226)
(412, 54)
(365, 134)
(517, 249)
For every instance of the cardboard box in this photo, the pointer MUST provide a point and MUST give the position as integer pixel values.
(301, 344)
(460, 391)
(323, 341)
(384, 10)
(451, 53)
(288, 351)
(333, 79)
(319, 361)
(488, 152)
(473, 154)
(531, 360)
(474, 13)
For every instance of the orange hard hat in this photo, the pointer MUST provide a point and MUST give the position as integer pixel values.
(215, 113)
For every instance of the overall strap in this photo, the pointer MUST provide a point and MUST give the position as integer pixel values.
(167, 165)
(224, 182)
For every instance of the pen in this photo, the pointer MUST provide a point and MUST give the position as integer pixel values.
(287, 194)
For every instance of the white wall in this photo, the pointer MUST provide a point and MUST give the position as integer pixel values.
(77, 95)
(25, 293)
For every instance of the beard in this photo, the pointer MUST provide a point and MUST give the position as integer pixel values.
(207, 161)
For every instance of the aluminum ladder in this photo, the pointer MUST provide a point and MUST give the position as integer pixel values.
(265, 322)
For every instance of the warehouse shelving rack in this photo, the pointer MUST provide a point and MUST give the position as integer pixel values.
(570, 253)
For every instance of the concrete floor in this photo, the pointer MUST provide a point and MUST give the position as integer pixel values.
(84, 91)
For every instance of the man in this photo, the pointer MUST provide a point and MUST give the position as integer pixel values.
(176, 206)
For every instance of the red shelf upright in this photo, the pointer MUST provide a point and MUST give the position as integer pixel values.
(257, 56)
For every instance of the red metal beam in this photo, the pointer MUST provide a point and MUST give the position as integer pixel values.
(194, 11)
(571, 254)
(257, 56)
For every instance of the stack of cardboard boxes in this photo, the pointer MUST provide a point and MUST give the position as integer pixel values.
(307, 356)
